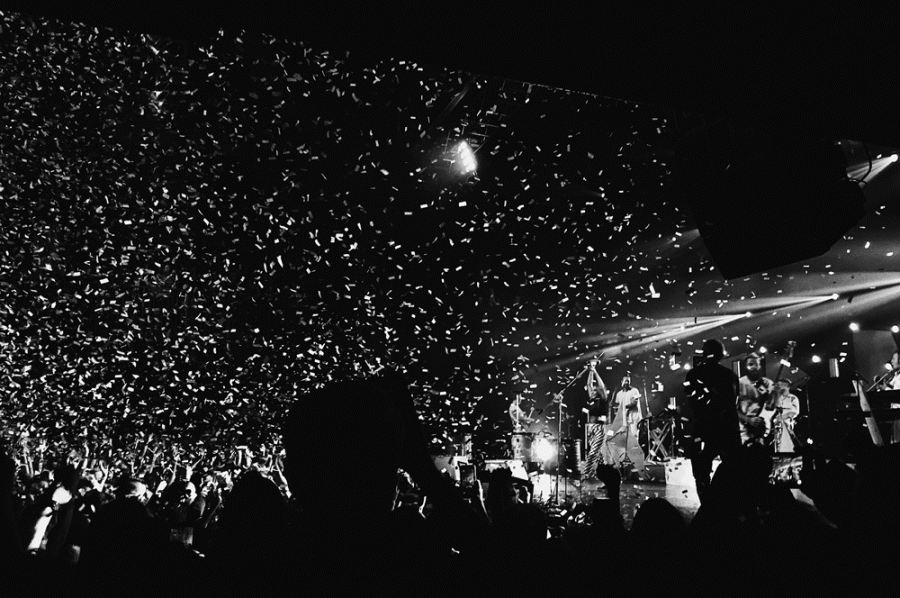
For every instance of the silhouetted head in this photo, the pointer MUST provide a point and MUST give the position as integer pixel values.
(713, 350)
(345, 437)
(658, 518)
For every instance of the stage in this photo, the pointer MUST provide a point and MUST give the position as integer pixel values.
(672, 480)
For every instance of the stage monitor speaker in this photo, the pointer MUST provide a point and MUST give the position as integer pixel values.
(764, 198)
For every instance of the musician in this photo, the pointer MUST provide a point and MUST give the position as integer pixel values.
(598, 398)
(622, 434)
(892, 380)
(598, 410)
(787, 407)
(712, 391)
(521, 421)
(754, 393)
(628, 401)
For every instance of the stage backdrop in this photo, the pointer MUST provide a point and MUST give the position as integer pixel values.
(871, 350)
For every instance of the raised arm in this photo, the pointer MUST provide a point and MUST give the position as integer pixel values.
(595, 387)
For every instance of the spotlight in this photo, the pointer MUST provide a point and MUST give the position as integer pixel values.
(687, 368)
(893, 158)
(544, 450)
(763, 350)
(895, 329)
(854, 326)
(816, 359)
(465, 158)
(835, 297)
(888, 366)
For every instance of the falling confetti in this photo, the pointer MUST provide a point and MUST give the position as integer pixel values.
(208, 232)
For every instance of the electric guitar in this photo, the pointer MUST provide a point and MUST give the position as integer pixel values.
(766, 399)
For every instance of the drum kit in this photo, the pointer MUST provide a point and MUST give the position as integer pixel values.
(543, 450)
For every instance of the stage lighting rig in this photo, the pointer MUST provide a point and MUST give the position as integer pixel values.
(796, 183)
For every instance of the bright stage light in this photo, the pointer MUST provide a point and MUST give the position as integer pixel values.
(465, 158)
(888, 366)
(763, 350)
(869, 170)
(854, 326)
(543, 450)
(816, 359)
(835, 297)
(895, 329)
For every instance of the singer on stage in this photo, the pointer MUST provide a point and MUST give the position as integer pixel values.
(598, 409)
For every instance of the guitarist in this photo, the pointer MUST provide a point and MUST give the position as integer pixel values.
(754, 395)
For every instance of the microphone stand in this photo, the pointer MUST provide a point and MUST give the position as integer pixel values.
(559, 411)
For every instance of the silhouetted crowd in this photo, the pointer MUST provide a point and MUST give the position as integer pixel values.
(355, 506)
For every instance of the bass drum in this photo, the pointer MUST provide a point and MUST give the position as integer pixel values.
(521, 446)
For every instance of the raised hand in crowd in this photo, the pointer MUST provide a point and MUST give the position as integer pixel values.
(612, 480)
(103, 478)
